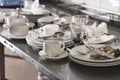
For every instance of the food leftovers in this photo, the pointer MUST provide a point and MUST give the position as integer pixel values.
(108, 50)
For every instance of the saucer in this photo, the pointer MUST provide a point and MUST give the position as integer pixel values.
(48, 19)
(62, 21)
(62, 55)
(8, 35)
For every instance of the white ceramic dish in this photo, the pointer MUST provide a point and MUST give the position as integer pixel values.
(48, 19)
(85, 59)
(40, 11)
(62, 21)
(62, 55)
(102, 39)
(34, 12)
(9, 36)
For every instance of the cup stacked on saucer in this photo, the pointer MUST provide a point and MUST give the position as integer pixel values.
(53, 49)
(17, 27)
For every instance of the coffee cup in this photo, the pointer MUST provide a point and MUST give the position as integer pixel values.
(19, 31)
(14, 20)
(53, 47)
(49, 29)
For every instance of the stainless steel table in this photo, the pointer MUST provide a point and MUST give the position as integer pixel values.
(63, 69)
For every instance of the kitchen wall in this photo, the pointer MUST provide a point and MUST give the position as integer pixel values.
(112, 5)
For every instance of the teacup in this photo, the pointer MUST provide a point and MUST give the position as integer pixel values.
(14, 20)
(19, 31)
(49, 29)
(53, 47)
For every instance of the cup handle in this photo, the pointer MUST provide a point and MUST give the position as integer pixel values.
(41, 29)
(6, 27)
(63, 46)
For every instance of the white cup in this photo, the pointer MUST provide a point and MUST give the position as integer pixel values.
(53, 47)
(13, 21)
(19, 31)
(49, 29)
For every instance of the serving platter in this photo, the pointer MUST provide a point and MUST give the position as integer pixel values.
(76, 55)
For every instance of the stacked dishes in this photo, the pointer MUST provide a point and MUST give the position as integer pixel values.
(36, 37)
(16, 27)
(33, 16)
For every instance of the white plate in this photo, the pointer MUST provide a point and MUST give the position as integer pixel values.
(35, 12)
(48, 19)
(63, 55)
(40, 11)
(102, 39)
(62, 21)
(8, 35)
(85, 59)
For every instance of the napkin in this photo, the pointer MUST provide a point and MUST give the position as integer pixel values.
(96, 31)
(94, 25)
(89, 31)
(103, 28)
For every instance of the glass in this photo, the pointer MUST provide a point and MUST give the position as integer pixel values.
(77, 26)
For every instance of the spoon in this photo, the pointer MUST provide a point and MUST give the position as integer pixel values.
(55, 35)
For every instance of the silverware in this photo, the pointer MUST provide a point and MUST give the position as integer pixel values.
(98, 51)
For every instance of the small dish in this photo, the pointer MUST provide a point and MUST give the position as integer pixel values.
(9, 36)
(48, 19)
(40, 11)
(61, 22)
(62, 55)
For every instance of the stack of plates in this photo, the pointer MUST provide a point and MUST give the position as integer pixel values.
(32, 39)
(34, 17)
(80, 55)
